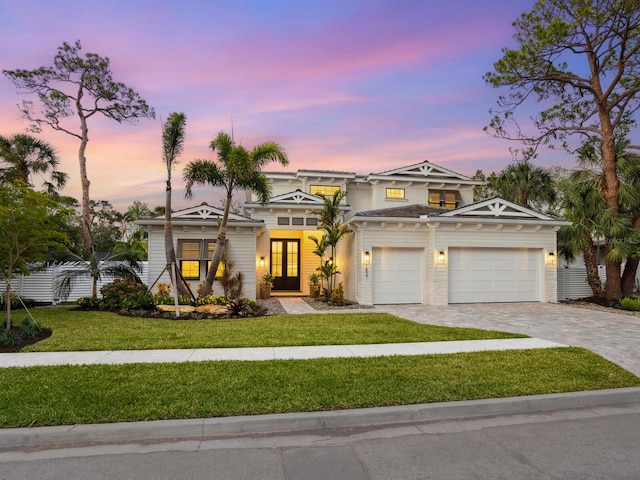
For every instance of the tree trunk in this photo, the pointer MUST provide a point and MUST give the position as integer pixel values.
(219, 248)
(169, 248)
(609, 190)
(629, 276)
(591, 264)
(7, 305)
(84, 179)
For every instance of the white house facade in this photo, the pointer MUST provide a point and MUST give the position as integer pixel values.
(417, 237)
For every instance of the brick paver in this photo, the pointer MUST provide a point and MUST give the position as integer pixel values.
(612, 335)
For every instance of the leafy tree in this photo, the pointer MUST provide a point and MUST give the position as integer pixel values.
(96, 267)
(29, 228)
(236, 168)
(106, 225)
(80, 86)
(523, 183)
(580, 60)
(172, 146)
(24, 156)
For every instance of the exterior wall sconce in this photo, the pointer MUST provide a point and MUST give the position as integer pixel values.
(441, 257)
(366, 259)
(551, 258)
(261, 262)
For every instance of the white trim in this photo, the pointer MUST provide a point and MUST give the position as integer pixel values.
(497, 207)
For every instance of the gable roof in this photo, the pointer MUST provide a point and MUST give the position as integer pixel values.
(297, 198)
(204, 211)
(424, 172)
(202, 215)
(496, 207)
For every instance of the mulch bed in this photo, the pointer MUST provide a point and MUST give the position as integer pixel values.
(20, 344)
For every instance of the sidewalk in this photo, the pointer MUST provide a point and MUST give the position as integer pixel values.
(113, 357)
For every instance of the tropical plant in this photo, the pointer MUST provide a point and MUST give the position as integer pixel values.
(330, 222)
(173, 134)
(591, 220)
(580, 60)
(235, 168)
(96, 267)
(81, 86)
(24, 156)
(524, 183)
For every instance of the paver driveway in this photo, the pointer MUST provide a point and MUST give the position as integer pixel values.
(614, 336)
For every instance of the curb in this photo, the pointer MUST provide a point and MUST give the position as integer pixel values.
(200, 429)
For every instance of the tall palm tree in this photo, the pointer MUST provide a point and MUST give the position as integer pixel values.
(523, 183)
(172, 146)
(24, 156)
(97, 267)
(236, 168)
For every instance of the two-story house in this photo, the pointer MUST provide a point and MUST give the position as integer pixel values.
(417, 237)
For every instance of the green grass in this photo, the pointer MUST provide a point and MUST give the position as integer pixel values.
(75, 330)
(64, 395)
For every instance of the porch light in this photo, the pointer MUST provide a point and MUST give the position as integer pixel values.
(261, 262)
(551, 258)
(366, 260)
(441, 257)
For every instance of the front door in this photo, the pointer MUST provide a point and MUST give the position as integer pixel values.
(285, 264)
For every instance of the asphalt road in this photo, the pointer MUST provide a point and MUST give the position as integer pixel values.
(590, 443)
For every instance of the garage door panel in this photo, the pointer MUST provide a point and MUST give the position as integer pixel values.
(480, 275)
(397, 275)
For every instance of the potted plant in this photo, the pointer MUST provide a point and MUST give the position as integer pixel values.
(265, 286)
(314, 285)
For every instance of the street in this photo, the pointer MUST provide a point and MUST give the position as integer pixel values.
(590, 443)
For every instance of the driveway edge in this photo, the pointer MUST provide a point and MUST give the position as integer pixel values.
(199, 429)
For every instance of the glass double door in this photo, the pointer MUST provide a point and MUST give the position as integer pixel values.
(285, 264)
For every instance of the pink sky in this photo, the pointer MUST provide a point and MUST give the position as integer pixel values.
(357, 85)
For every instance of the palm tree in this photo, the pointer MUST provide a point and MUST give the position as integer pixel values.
(120, 265)
(331, 222)
(24, 156)
(592, 221)
(236, 168)
(525, 184)
(172, 146)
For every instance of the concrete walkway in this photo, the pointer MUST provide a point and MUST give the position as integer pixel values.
(113, 357)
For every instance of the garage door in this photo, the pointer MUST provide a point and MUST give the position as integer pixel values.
(494, 275)
(397, 275)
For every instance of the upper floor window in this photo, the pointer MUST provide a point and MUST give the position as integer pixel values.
(327, 190)
(395, 193)
(440, 198)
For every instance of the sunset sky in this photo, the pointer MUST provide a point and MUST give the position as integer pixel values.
(355, 85)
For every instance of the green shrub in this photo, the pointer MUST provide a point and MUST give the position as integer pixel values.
(168, 300)
(212, 300)
(337, 296)
(88, 303)
(8, 338)
(29, 328)
(126, 294)
(630, 304)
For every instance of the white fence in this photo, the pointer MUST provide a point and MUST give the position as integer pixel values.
(39, 286)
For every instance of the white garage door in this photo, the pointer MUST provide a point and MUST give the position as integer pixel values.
(494, 275)
(397, 275)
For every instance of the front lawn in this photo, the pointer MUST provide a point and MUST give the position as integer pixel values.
(75, 330)
(66, 395)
